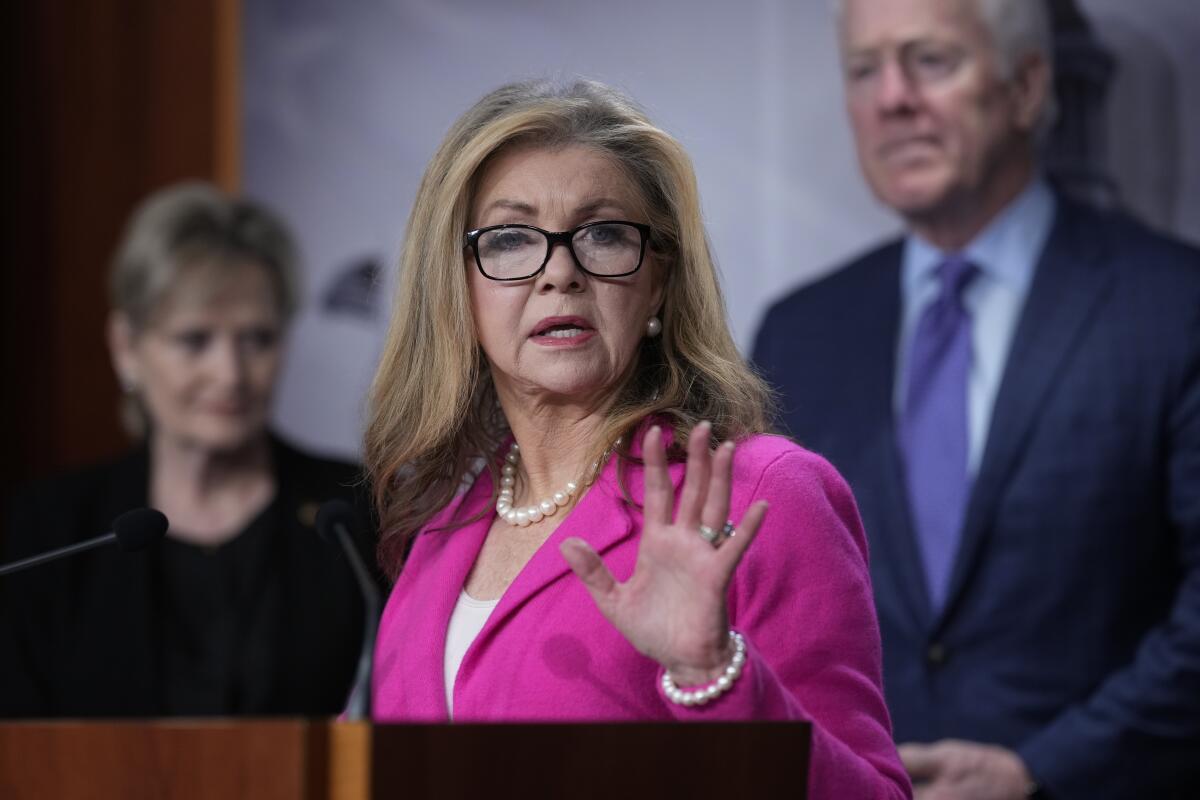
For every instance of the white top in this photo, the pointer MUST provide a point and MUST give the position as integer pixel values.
(465, 624)
(1007, 252)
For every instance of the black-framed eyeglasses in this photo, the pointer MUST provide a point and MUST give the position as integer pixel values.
(605, 249)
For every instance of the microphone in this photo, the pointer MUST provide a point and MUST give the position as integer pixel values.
(336, 519)
(133, 530)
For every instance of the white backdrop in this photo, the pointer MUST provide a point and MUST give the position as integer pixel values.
(344, 103)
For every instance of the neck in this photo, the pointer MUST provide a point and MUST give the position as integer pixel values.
(555, 442)
(208, 495)
(955, 223)
(198, 472)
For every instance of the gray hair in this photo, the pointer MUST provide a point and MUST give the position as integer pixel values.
(1018, 28)
(187, 224)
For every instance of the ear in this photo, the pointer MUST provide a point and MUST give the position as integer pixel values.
(1031, 90)
(122, 348)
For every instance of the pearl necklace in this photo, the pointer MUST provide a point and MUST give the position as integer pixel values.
(546, 508)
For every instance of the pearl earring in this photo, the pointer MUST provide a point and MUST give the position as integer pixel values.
(653, 327)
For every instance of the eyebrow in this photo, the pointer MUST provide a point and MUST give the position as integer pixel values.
(903, 44)
(522, 207)
(602, 202)
(511, 205)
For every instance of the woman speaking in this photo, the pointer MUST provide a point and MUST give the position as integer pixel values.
(584, 515)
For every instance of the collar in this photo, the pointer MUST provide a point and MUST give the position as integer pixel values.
(1007, 250)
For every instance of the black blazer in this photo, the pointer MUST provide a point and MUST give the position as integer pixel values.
(1072, 629)
(83, 637)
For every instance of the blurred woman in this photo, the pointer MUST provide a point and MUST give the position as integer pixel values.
(241, 609)
(585, 515)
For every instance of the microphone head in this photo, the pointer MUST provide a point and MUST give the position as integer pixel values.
(139, 528)
(335, 512)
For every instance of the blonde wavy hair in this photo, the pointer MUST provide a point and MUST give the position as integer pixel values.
(433, 414)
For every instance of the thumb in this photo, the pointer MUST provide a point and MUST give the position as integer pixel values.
(585, 563)
(921, 761)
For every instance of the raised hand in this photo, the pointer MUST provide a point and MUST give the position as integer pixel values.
(672, 608)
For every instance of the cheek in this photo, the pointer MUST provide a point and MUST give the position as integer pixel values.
(164, 399)
(163, 378)
(626, 314)
(264, 370)
(970, 119)
(863, 127)
(496, 311)
(479, 307)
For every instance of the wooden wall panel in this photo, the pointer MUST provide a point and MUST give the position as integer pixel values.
(108, 100)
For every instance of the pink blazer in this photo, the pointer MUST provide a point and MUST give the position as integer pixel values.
(801, 597)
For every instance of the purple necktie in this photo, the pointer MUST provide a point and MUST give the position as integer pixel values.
(933, 426)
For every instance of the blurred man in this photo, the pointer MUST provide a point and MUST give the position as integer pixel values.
(1013, 390)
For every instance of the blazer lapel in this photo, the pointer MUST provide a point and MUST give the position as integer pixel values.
(1067, 288)
(450, 556)
(602, 518)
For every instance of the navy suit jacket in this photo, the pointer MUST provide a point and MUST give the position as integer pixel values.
(1072, 629)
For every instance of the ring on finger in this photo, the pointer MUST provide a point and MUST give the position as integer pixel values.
(716, 537)
(727, 532)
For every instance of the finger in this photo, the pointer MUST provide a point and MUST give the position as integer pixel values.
(656, 481)
(732, 549)
(695, 480)
(941, 791)
(585, 563)
(922, 762)
(716, 504)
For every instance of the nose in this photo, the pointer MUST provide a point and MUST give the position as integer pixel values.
(228, 362)
(894, 90)
(561, 272)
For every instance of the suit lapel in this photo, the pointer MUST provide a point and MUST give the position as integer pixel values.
(887, 514)
(1067, 288)
(878, 478)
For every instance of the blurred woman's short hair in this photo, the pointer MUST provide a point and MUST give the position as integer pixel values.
(433, 410)
(195, 226)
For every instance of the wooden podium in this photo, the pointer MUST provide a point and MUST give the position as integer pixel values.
(297, 759)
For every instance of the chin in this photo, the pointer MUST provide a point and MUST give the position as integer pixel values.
(913, 188)
(914, 197)
(228, 438)
(574, 385)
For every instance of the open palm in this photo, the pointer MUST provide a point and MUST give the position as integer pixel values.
(672, 608)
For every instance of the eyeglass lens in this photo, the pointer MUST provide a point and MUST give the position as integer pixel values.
(610, 248)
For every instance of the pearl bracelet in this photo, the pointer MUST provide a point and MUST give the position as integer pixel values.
(703, 694)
